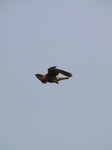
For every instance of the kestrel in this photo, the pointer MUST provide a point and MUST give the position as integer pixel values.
(52, 74)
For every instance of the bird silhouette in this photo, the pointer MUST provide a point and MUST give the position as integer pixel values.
(52, 74)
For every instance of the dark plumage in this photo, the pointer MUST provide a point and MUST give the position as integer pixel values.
(52, 74)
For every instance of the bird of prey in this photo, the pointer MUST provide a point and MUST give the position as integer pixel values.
(52, 74)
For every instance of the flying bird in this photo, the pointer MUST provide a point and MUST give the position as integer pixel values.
(52, 74)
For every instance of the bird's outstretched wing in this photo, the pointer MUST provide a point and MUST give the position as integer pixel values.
(53, 71)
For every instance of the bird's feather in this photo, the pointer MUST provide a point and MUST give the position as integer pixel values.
(53, 71)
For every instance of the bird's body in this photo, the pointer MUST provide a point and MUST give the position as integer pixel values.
(52, 74)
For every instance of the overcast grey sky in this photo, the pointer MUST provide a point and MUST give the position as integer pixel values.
(74, 35)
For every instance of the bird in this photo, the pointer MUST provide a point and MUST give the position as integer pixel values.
(52, 74)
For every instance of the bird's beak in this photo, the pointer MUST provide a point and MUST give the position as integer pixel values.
(39, 76)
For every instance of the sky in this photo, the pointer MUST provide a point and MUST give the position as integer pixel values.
(75, 36)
